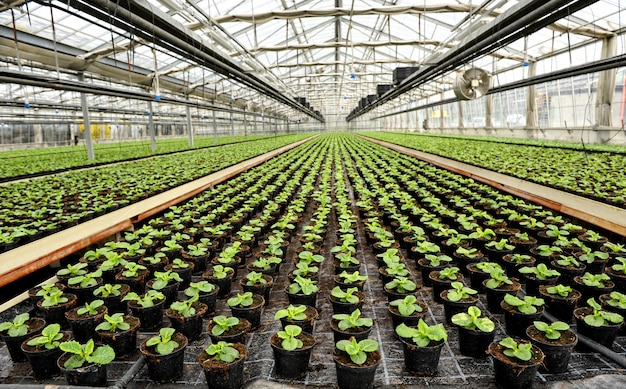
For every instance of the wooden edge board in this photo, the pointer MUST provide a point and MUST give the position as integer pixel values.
(25, 259)
(594, 212)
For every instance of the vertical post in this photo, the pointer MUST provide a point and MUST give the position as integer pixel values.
(215, 138)
(531, 99)
(87, 124)
(606, 85)
(189, 127)
(232, 121)
(461, 123)
(151, 126)
(245, 125)
(255, 124)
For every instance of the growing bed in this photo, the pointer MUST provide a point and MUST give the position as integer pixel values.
(377, 186)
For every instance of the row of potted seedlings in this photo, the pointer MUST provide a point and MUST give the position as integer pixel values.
(121, 262)
(36, 208)
(485, 275)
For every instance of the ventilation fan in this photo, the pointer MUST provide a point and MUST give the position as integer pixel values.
(471, 84)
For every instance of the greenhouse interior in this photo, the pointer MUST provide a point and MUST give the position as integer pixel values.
(312, 193)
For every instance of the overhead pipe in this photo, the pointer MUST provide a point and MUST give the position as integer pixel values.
(591, 67)
(524, 20)
(138, 18)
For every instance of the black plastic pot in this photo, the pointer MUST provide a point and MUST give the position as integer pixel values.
(251, 313)
(495, 296)
(441, 285)
(149, 317)
(14, 343)
(224, 284)
(260, 289)
(136, 284)
(170, 291)
(557, 352)
(84, 328)
(474, 343)
(306, 324)
(83, 294)
(567, 272)
(358, 333)
(592, 291)
(185, 274)
(165, 368)
(115, 304)
(345, 307)
(560, 307)
(516, 322)
(477, 277)
(411, 321)
(56, 313)
(513, 373)
(292, 363)
(123, 342)
(302, 299)
(533, 283)
(222, 375)
(236, 334)
(605, 335)
(191, 327)
(422, 361)
(87, 375)
(43, 361)
(350, 376)
(338, 282)
(426, 268)
(451, 308)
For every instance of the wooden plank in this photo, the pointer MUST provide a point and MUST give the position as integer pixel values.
(594, 212)
(27, 258)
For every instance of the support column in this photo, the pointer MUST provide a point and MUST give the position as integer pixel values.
(189, 126)
(606, 88)
(461, 122)
(256, 120)
(215, 138)
(245, 125)
(232, 122)
(151, 126)
(531, 102)
(87, 124)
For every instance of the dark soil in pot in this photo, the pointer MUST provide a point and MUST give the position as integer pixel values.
(165, 368)
(568, 272)
(302, 299)
(236, 334)
(292, 363)
(43, 361)
(477, 276)
(149, 317)
(533, 283)
(523, 246)
(516, 322)
(224, 284)
(210, 299)
(451, 308)
(115, 304)
(84, 327)
(560, 307)
(346, 307)
(393, 294)
(260, 289)
(56, 313)
(87, 375)
(32, 293)
(14, 343)
(306, 324)
(441, 285)
(170, 291)
(511, 268)
(592, 291)
(619, 278)
(359, 333)
(137, 284)
(605, 335)
(603, 301)
(185, 274)
(83, 294)
(160, 266)
(338, 282)
(251, 313)
(123, 342)
(557, 351)
(191, 326)
(496, 295)
(411, 321)
(224, 375)
(425, 269)
(511, 372)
